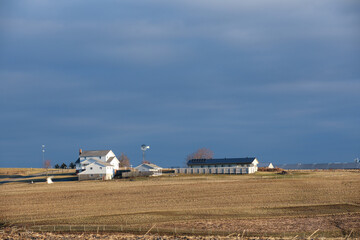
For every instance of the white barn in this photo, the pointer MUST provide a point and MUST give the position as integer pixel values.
(223, 162)
(149, 167)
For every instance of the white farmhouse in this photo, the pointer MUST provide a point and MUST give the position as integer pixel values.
(149, 167)
(96, 163)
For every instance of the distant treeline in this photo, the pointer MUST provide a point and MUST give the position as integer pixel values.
(64, 166)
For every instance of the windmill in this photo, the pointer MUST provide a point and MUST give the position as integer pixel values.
(144, 147)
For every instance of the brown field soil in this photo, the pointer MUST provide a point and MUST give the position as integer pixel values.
(15, 233)
(20, 171)
(262, 204)
(27, 175)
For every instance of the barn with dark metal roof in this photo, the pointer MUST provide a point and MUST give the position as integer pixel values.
(223, 162)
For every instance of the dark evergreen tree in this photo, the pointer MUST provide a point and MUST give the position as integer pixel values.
(72, 165)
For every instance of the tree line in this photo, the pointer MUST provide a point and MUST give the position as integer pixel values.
(64, 166)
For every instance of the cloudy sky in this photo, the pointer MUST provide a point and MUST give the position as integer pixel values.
(278, 80)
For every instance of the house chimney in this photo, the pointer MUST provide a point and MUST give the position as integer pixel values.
(80, 151)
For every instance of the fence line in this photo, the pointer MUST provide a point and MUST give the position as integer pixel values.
(143, 230)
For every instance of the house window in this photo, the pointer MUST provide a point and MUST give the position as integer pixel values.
(100, 167)
(90, 168)
(91, 175)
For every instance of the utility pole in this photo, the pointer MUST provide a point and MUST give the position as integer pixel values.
(43, 153)
(43, 156)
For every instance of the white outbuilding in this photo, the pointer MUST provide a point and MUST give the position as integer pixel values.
(266, 165)
(149, 167)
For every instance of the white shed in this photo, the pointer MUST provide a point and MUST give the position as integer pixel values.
(266, 165)
(149, 167)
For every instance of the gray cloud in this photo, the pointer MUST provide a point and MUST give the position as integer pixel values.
(271, 79)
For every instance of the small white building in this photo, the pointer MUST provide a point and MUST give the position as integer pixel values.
(149, 167)
(97, 170)
(266, 165)
(96, 164)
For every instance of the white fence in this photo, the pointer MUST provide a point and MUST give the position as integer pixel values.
(217, 170)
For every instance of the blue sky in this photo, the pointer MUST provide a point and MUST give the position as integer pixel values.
(278, 80)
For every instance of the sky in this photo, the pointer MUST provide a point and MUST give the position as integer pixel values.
(277, 80)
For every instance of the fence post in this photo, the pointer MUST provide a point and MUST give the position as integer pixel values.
(84, 228)
(97, 230)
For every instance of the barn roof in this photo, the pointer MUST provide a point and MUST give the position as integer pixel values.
(94, 153)
(214, 161)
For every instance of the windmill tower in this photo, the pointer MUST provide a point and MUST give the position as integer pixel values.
(144, 147)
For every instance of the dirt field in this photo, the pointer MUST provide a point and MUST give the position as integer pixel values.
(264, 204)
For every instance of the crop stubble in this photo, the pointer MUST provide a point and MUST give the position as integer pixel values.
(329, 200)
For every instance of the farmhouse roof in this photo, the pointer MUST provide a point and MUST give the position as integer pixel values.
(214, 161)
(110, 159)
(94, 153)
(103, 163)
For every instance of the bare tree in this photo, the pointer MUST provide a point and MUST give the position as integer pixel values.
(124, 161)
(47, 165)
(201, 153)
